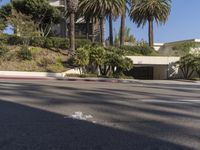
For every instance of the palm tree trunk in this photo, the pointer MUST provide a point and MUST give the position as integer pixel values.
(151, 34)
(87, 28)
(123, 27)
(102, 30)
(93, 31)
(111, 29)
(72, 32)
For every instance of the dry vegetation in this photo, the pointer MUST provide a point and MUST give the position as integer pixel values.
(42, 60)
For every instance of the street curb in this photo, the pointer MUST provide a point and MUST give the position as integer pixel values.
(27, 78)
(73, 79)
(100, 80)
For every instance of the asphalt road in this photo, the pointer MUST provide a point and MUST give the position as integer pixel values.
(147, 115)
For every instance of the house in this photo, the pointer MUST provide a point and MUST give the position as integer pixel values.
(160, 67)
(82, 29)
(167, 48)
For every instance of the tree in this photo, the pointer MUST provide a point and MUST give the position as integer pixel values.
(41, 13)
(197, 65)
(100, 9)
(186, 65)
(5, 12)
(25, 26)
(149, 11)
(126, 5)
(72, 6)
(114, 10)
(127, 37)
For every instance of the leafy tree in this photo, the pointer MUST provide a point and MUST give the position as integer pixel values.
(149, 11)
(5, 12)
(40, 11)
(24, 26)
(197, 65)
(186, 65)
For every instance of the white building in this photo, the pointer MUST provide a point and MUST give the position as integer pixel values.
(160, 67)
(82, 29)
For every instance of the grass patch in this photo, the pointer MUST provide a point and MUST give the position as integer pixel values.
(42, 60)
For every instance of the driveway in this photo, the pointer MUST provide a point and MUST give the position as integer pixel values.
(60, 115)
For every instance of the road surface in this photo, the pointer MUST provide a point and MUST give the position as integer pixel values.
(60, 115)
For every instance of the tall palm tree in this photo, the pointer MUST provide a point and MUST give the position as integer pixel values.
(72, 6)
(125, 8)
(149, 11)
(100, 9)
(114, 10)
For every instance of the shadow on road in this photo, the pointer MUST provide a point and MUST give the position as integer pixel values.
(26, 128)
(152, 126)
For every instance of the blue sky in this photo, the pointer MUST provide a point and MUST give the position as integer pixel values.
(183, 23)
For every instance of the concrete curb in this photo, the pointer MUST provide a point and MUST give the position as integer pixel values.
(26, 78)
(19, 75)
(70, 79)
(99, 80)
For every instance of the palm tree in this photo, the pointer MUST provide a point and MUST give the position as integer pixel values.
(149, 11)
(114, 10)
(100, 9)
(125, 8)
(72, 6)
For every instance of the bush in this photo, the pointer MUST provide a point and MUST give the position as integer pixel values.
(81, 59)
(37, 41)
(106, 62)
(45, 42)
(15, 40)
(55, 42)
(138, 50)
(82, 42)
(3, 50)
(25, 53)
(4, 38)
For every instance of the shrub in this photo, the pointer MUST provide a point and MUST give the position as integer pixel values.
(4, 38)
(138, 50)
(15, 40)
(82, 42)
(81, 59)
(37, 41)
(3, 50)
(25, 53)
(45, 42)
(61, 43)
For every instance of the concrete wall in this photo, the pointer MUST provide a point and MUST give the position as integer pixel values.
(153, 60)
(160, 72)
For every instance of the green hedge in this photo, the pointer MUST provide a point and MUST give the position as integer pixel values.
(45, 42)
(138, 50)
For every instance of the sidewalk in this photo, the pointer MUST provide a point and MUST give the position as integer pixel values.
(15, 75)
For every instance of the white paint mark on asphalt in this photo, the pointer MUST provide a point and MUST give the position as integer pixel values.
(174, 101)
(81, 116)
